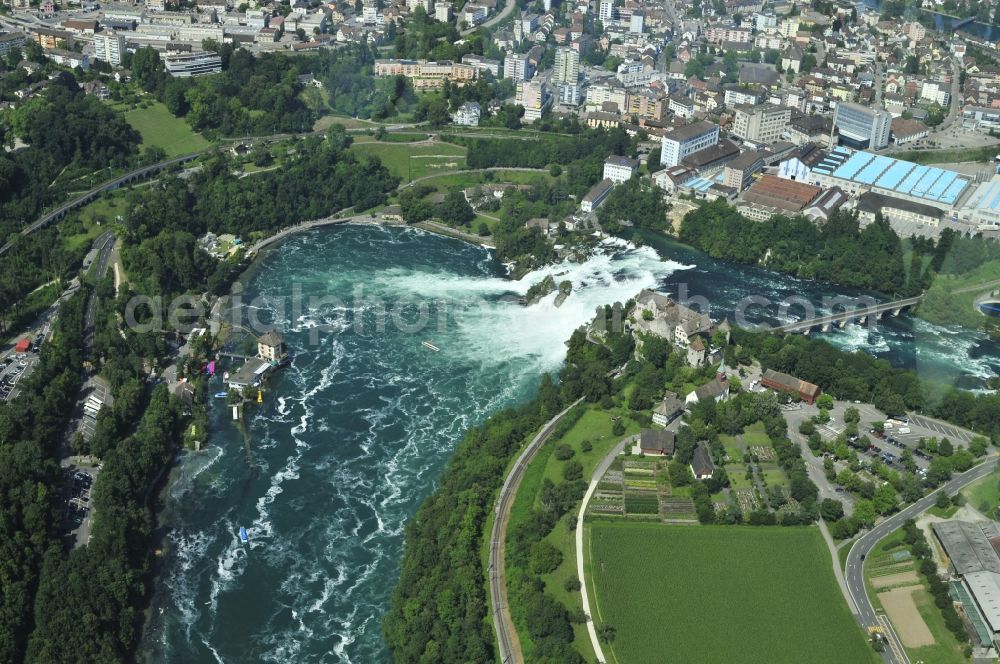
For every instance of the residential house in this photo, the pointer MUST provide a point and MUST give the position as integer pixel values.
(702, 465)
(656, 442)
(668, 410)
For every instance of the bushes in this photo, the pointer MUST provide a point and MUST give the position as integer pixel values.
(545, 558)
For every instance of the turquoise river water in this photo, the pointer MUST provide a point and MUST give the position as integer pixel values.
(352, 436)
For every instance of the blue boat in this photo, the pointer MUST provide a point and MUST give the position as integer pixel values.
(243, 535)
(221, 395)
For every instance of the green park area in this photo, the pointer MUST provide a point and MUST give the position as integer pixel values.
(719, 594)
(409, 161)
(984, 495)
(570, 455)
(159, 128)
(78, 230)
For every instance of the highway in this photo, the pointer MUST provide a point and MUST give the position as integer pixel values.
(103, 245)
(854, 570)
(503, 625)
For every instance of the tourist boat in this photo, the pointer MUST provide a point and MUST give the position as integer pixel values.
(429, 346)
(243, 535)
(221, 395)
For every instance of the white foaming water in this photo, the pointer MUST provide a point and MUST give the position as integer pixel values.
(496, 331)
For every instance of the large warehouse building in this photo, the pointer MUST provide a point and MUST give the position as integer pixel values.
(857, 172)
(983, 206)
(972, 551)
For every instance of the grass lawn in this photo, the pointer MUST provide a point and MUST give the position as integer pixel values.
(720, 594)
(737, 476)
(958, 155)
(774, 476)
(732, 446)
(946, 648)
(595, 427)
(445, 182)
(984, 494)
(945, 513)
(410, 162)
(160, 128)
(756, 434)
(328, 121)
(82, 228)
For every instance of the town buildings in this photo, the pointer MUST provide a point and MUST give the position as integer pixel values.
(620, 169)
(687, 140)
(199, 63)
(762, 124)
(862, 127)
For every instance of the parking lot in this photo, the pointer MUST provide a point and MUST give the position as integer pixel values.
(78, 513)
(14, 368)
(899, 435)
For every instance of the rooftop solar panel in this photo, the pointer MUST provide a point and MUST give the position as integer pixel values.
(952, 192)
(851, 167)
(873, 170)
(995, 200)
(941, 184)
(892, 177)
(920, 189)
(912, 179)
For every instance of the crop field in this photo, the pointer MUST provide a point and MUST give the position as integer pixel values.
(719, 594)
(410, 162)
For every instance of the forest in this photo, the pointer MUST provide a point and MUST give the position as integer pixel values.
(162, 222)
(70, 135)
(259, 95)
(31, 428)
(839, 251)
(580, 154)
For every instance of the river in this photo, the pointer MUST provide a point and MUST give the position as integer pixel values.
(353, 435)
(945, 24)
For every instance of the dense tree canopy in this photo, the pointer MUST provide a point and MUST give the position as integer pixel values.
(838, 251)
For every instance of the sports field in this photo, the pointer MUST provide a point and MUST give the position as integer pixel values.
(692, 594)
(158, 127)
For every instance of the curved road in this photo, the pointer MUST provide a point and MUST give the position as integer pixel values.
(584, 595)
(854, 570)
(503, 625)
(90, 195)
(511, 4)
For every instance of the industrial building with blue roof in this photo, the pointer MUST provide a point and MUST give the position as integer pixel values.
(857, 172)
(983, 206)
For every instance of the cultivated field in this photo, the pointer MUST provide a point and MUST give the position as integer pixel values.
(720, 594)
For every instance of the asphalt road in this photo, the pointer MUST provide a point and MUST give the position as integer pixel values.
(103, 245)
(508, 8)
(503, 625)
(854, 570)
